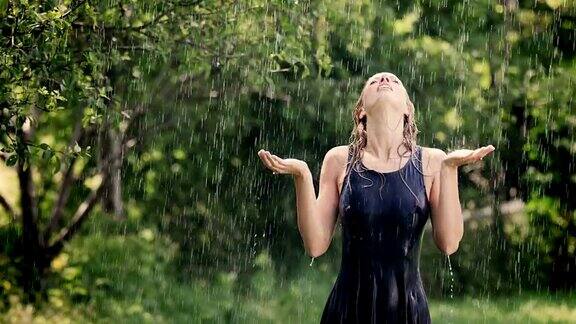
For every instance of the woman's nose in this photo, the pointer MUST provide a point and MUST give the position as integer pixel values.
(384, 78)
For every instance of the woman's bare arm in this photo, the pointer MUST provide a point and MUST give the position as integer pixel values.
(447, 220)
(316, 216)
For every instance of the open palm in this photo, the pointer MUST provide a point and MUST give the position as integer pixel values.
(281, 166)
(463, 156)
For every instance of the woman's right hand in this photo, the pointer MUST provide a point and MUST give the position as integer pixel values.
(284, 166)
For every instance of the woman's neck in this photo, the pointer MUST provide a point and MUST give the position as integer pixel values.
(385, 134)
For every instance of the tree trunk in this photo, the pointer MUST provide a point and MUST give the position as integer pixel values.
(112, 197)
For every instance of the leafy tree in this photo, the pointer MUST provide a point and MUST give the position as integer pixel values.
(67, 69)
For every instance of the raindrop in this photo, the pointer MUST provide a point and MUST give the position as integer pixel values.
(451, 278)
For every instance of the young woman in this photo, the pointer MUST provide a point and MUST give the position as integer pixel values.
(384, 187)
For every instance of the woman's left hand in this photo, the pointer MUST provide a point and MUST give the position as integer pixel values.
(464, 156)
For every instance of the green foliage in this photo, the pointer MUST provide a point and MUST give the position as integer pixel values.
(130, 279)
(544, 112)
(220, 80)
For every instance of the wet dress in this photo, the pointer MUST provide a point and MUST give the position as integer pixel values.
(382, 226)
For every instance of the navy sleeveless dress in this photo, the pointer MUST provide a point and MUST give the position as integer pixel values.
(382, 226)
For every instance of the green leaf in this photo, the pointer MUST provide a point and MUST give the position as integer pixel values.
(3, 5)
(11, 161)
(56, 164)
(47, 154)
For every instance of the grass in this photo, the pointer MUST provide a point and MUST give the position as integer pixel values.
(524, 308)
(130, 279)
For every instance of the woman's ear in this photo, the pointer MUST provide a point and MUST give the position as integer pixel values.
(362, 113)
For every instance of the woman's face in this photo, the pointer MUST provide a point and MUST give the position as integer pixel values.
(387, 87)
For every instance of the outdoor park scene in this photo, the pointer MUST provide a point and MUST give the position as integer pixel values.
(161, 160)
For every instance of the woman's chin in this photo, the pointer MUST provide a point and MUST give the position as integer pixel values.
(388, 97)
(384, 93)
(386, 101)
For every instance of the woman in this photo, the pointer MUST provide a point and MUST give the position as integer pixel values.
(384, 187)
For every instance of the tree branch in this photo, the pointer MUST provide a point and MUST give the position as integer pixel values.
(28, 200)
(84, 209)
(63, 194)
(73, 8)
(8, 208)
(67, 181)
(81, 214)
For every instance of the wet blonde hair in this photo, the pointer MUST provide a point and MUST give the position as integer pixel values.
(359, 139)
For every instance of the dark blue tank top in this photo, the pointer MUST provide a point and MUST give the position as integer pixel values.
(383, 216)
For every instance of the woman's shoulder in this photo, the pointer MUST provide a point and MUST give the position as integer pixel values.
(339, 152)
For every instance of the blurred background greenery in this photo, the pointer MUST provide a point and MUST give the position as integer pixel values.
(131, 188)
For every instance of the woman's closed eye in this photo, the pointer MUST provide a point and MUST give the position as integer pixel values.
(394, 81)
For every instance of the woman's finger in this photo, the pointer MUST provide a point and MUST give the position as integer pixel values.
(279, 160)
(262, 156)
(279, 165)
(478, 153)
(270, 161)
(469, 154)
(278, 168)
(475, 154)
(486, 151)
(267, 161)
(466, 158)
(470, 158)
(483, 151)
